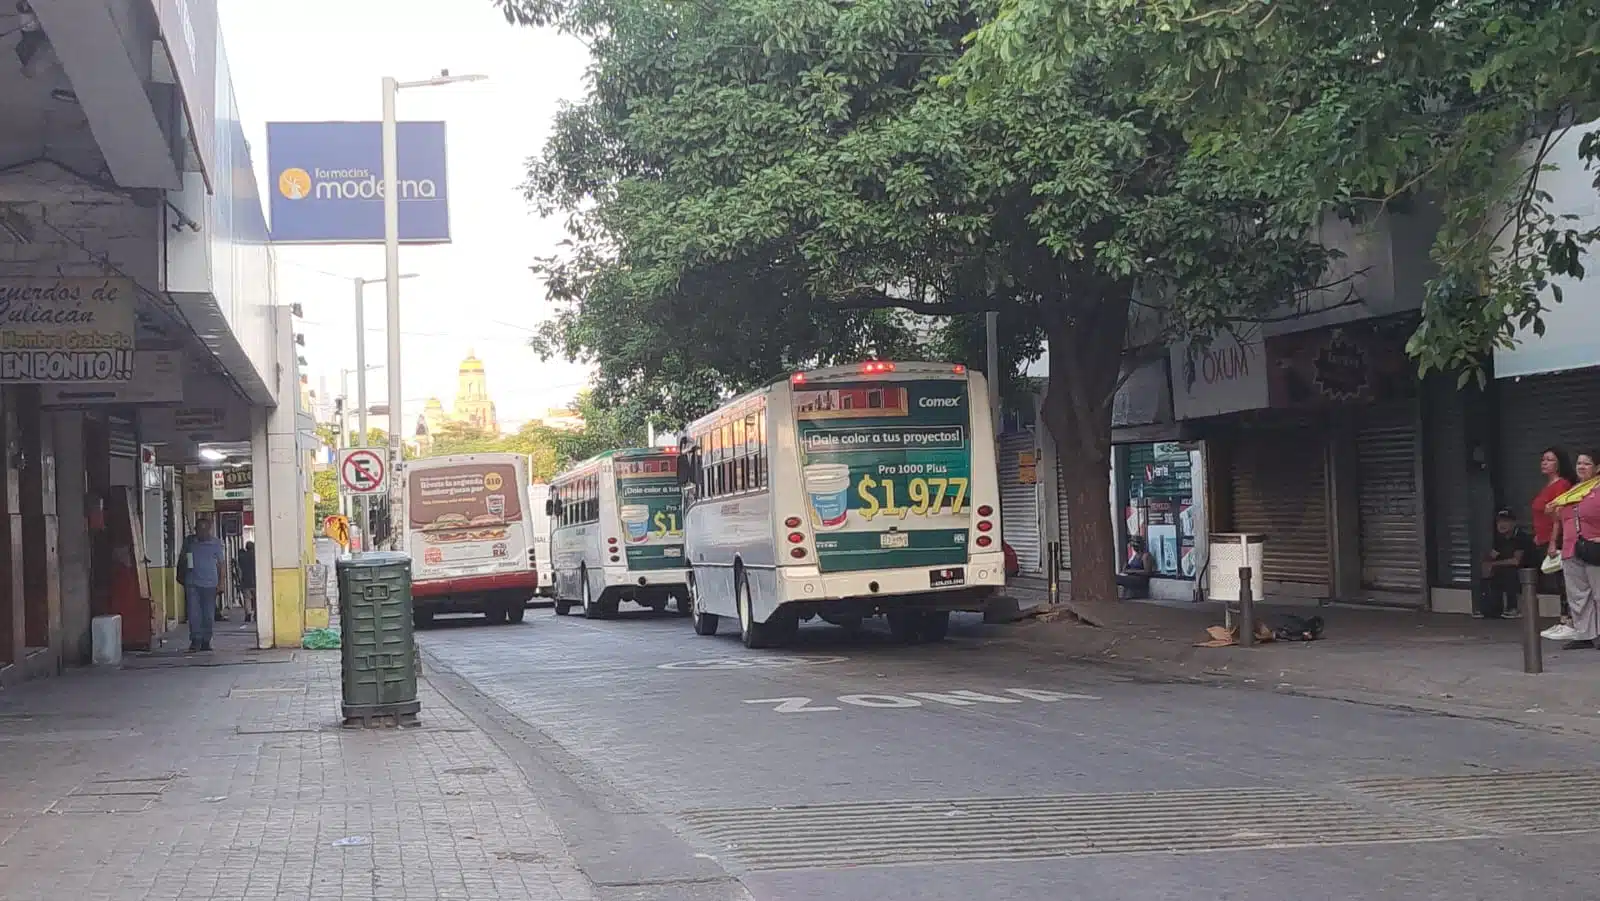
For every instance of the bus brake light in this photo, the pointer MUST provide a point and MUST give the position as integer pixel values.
(792, 522)
(985, 541)
(797, 552)
(796, 538)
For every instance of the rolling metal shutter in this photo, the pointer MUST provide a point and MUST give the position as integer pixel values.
(1540, 411)
(1280, 491)
(1445, 486)
(1061, 516)
(1019, 502)
(1392, 549)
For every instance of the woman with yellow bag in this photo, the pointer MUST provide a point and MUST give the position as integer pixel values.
(1577, 541)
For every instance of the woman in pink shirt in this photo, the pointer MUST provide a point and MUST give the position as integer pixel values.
(1578, 516)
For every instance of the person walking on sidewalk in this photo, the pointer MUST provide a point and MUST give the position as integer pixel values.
(1556, 467)
(203, 571)
(245, 568)
(1513, 550)
(1577, 532)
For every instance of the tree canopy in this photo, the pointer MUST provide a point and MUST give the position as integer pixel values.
(752, 186)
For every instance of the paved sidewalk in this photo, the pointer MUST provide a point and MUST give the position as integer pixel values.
(1453, 664)
(231, 780)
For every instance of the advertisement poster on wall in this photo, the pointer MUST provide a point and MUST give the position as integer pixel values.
(55, 330)
(1160, 505)
(650, 505)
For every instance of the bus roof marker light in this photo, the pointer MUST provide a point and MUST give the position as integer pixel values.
(872, 366)
(798, 378)
(959, 369)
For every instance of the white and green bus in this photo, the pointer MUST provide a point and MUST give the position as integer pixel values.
(615, 533)
(844, 493)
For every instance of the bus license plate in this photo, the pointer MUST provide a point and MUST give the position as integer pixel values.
(894, 539)
(947, 578)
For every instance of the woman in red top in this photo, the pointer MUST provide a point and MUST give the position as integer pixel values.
(1556, 467)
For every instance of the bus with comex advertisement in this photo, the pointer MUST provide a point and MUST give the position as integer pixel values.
(844, 493)
(616, 533)
(469, 536)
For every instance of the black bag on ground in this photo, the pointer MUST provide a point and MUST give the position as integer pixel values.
(1299, 628)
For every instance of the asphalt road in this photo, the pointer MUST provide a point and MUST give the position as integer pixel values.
(847, 768)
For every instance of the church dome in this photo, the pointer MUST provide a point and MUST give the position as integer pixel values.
(471, 363)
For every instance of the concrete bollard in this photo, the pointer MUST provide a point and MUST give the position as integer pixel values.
(1532, 647)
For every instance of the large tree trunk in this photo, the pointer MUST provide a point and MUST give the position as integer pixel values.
(1085, 363)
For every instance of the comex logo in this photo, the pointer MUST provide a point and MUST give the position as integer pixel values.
(295, 183)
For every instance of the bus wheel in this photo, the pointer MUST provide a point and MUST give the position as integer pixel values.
(903, 625)
(563, 608)
(657, 603)
(516, 611)
(704, 623)
(421, 619)
(935, 625)
(495, 614)
(770, 634)
(684, 605)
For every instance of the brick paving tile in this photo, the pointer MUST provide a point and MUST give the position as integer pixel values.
(236, 783)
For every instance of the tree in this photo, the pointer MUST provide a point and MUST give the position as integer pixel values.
(1358, 106)
(325, 485)
(756, 185)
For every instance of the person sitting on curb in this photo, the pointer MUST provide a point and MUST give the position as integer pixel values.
(1513, 550)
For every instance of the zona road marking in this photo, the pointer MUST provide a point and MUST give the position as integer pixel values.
(960, 697)
(764, 661)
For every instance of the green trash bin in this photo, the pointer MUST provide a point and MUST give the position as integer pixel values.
(377, 648)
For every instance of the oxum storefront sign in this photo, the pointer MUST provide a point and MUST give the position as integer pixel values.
(55, 330)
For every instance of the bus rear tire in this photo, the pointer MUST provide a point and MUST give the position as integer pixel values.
(903, 625)
(775, 632)
(704, 623)
(516, 612)
(563, 608)
(935, 625)
(496, 615)
(421, 619)
(683, 605)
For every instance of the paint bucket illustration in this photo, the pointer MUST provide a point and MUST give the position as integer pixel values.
(636, 521)
(828, 488)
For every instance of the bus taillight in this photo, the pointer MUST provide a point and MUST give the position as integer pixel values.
(611, 540)
(796, 537)
(792, 522)
(985, 541)
(985, 510)
(797, 552)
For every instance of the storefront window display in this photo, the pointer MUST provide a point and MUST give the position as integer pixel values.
(1158, 504)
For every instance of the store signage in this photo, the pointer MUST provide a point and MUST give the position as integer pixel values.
(66, 330)
(197, 492)
(1225, 376)
(232, 484)
(1028, 468)
(157, 379)
(1358, 363)
(326, 182)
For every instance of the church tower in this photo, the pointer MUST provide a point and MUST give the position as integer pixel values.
(473, 405)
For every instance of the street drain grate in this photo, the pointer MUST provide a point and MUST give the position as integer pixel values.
(469, 771)
(133, 795)
(899, 832)
(1534, 803)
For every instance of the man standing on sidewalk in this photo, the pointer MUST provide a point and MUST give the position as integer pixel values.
(203, 565)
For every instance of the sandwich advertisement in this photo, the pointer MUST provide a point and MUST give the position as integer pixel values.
(465, 503)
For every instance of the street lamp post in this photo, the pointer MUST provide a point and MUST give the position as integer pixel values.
(391, 252)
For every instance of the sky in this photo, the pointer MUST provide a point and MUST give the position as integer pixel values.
(297, 60)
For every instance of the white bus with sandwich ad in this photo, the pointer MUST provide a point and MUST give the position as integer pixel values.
(469, 536)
